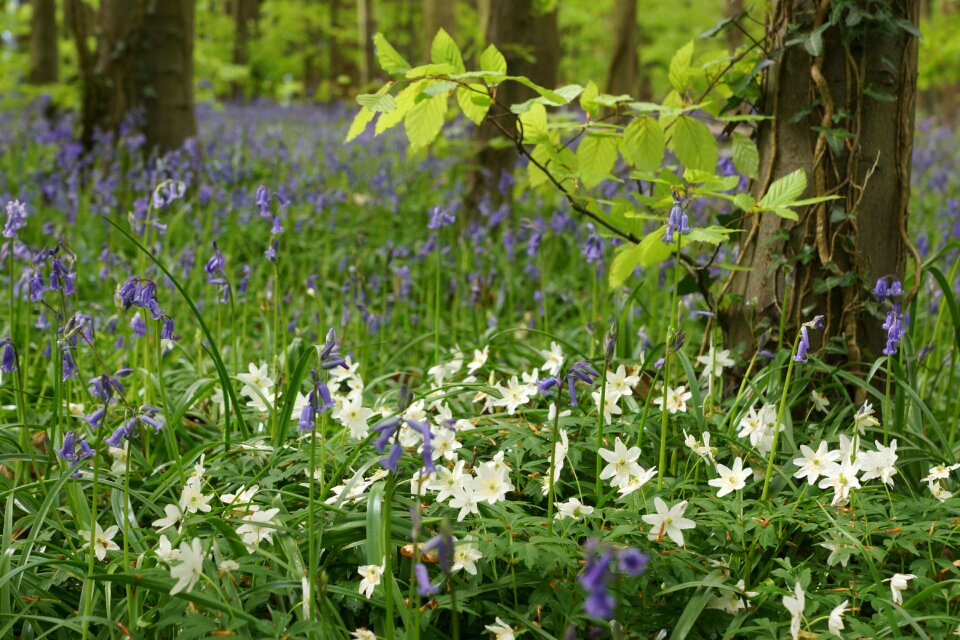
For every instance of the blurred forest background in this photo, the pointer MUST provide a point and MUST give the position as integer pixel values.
(321, 50)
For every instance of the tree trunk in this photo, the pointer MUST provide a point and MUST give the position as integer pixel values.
(437, 14)
(829, 122)
(107, 73)
(44, 54)
(366, 27)
(168, 74)
(245, 14)
(530, 43)
(623, 76)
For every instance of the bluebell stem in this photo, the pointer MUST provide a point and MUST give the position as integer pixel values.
(610, 343)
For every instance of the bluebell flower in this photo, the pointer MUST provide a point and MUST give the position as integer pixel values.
(263, 200)
(167, 331)
(802, 346)
(115, 439)
(592, 249)
(386, 430)
(443, 543)
(610, 343)
(424, 430)
(677, 222)
(16, 218)
(138, 325)
(880, 289)
(8, 362)
(545, 386)
(440, 218)
(69, 366)
(632, 562)
(68, 450)
(393, 458)
(424, 586)
(599, 603)
(894, 328)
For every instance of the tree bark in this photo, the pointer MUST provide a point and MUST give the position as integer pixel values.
(530, 43)
(437, 14)
(623, 76)
(167, 56)
(838, 249)
(245, 14)
(44, 54)
(366, 27)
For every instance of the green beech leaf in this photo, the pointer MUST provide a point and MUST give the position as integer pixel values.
(624, 262)
(359, 124)
(405, 101)
(680, 67)
(377, 102)
(445, 50)
(492, 60)
(746, 158)
(474, 101)
(643, 144)
(694, 144)
(596, 156)
(424, 121)
(588, 99)
(533, 124)
(390, 59)
(784, 191)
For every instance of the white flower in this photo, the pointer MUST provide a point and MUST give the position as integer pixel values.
(637, 480)
(465, 556)
(841, 478)
(444, 442)
(192, 498)
(446, 481)
(676, 399)
(835, 621)
(704, 450)
(813, 462)
(554, 359)
(103, 540)
(513, 395)
(353, 415)
(363, 633)
(190, 568)
(898, 584)
(492, 484)
(371, 574)
(849, 447)
(242, 499)
(730, 601)
(820, 402)
(620, 383)
(252, 532)
(940, 472)
(165, 552)
(501, 630)
(560, 452)
(119, 459)
(715, 362)
(610, 407)
(795, 605)
(226, 566)
(839, 552)
(466, 499)
(759, 427)
(939, 492)
(865, 418)
(572, 508)
(170, 519)
(257, 379)
(731, 479)
(622, 463)
(879, 463)
(668, 521)
(479, 359)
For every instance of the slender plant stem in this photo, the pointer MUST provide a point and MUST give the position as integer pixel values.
(672, 332)
(601, 414)
(776, 427)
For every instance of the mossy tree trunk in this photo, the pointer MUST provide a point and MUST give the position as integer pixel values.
(843, 111)
(44, 53)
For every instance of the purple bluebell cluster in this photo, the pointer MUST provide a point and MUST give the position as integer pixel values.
(677, 222)
(8, 359)
(581, 371)
(598, 570)
(803, 344)
(16, 219)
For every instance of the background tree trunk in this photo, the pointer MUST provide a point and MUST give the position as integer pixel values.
(836, 247)
(530, 43)
(623, 76)
(437, 14)
(245, 14)
(167, 92)
(366, 27)
(44, 54)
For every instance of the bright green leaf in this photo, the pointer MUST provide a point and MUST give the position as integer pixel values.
(596, 156)
(643, 145)
(359, 124)
(680, 67)
(390, 60)
(474, 101)
(533, 124)
(712, 235)
(624, 262)
(746, 158)
(588, 99)
(424, 121)
(405, 101)
(445, 50)
(540, 153)
(437, 69)
(694, 144)
(783, 192)
(377, 102)
(492, 60)
(744, 201)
